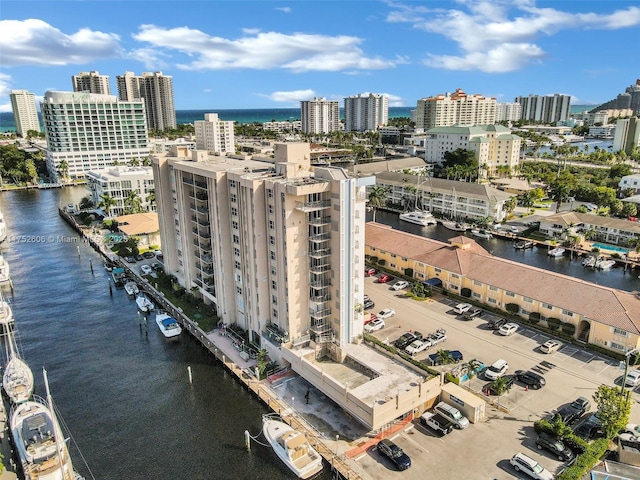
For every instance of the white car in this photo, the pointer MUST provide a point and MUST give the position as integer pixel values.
(146, 269)
(402, 284)
(549, 346)
(386, 313)
(417, 346)
(462, 307)
(498, 369)
(632, 379)
(523, 463)
(374, 325)
(508, 329)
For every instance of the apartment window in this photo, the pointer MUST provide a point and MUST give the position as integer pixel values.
(269, 193)
(234, 225)
(455, 275)
(524, 312)
(567, 313)
(510, 294)
(617, 346)
(271, 225)
(274, 285)
(477, 283)
(236, 251)
(272, 255)
(476, 295)
(232, 183)
(492, 288)
(547, 306)
(234, 211)
(392, 265)
(454, 287)
(237, 264)
(275, 313)
(393, 255)
(273, 271)
(438, 270)
(274, 299)
(272, 240)
(492, 300)
(527, 299)
(236, 239)
(270, 208)
(234, 198)
(619, 331)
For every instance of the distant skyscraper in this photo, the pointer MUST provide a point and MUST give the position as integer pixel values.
(511, 112)
(214, 135)
(91, 132)
(365, 112)
(546, 109)
(456, 108)
(25, 114)
(320, 115)
(91, 82)
(627, 135)
(157, 91)
(629, 99)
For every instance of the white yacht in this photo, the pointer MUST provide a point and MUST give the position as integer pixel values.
(144, 304)
(419, 218)
(17, 378)
(6, 316)
(481, 233)
(292, 447)
(5, 277)
(3, 228)
(131, 288)
(168, 325)
(556, 252)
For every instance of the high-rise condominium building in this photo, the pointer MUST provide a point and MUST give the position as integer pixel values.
(91, 82)
(320, 115)
(546, 109)
(365, 112)
(627, 135)
(214, 135)
(120, 182)
(511, 112)
(23, 104)
(456, 108)
(277, 247)
(157, 91)
(91, 132)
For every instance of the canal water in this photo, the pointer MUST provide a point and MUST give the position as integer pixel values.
(123, 393)
(537, 256)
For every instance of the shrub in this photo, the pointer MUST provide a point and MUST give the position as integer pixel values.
(534, 317)
(373, 259)
(554, 323)
(408, 272)
(465, 292)
(382, 262)
(512, 308)
(568, 328)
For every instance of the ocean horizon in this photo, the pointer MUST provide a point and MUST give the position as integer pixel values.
(248, 115)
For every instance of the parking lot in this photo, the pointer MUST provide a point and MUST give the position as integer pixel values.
(483, 450)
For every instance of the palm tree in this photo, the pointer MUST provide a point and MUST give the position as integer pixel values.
(377, 198)
(151, 197)
(63, 170)
(106, 203)
(500, 385)
(443, 357)
(132, 202)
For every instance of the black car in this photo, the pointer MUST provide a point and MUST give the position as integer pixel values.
(491, 388)
(588, 430)
(530, 379)
(394, 453)
(407, 339)
(572, 412)
(148, 254)
(139, 258)
(555, 446)
(369, 304)
(496, 323)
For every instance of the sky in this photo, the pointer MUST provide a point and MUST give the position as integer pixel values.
(273, 54)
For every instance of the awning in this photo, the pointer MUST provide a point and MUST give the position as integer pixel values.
(433, 282)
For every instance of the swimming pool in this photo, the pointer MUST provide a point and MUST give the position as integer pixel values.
(604, 246)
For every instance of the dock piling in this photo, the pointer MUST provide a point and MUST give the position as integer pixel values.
(190, 374)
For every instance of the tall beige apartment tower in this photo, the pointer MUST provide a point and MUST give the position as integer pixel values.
(157, 91)
(320, 115)
(23, 104)
(214, 135)
(91, 82)
(365, 112)
(276, 246)
(456, 108)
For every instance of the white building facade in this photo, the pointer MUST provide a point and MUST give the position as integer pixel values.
(119, 182)
(25, 115)
(511, 112)
(546, 109)
(366, 112)
(627, 135)
(455, 108)
(91, 82)
(284, 126)
(157, 91)
(214, 135)
(320, 115)
(92, 132)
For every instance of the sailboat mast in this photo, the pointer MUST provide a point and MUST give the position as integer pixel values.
(56, 428)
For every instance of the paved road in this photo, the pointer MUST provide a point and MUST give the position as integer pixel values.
(482, 451)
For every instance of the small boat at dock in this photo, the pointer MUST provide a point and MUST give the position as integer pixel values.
(523, 244)
(605, 264)
(455, 226)
(5, 277)
(556, 252)
(144, 304)
(589, 261)
(168, 325)
(419, 218)
(480, 233)
(131, 288)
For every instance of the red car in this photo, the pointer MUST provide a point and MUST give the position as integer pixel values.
(384, 278)
(369, 271)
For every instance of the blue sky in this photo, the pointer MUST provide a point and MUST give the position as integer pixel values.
(269, 54)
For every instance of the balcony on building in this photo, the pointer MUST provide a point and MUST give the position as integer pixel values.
(274, 334)
(313, 206)
(320, 237)
(319, 253)
(319, 314)
(320, 221)
(307, 186)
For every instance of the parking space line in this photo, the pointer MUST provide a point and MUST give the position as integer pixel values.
(607, 366)
(421, 447)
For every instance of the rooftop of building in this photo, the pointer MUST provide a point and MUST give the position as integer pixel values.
(387, 165)
(120, 172)
(606, 305)
(576, 219)
(138, 223)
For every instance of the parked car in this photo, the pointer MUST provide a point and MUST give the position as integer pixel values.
(437, 337)
(549, 346)
(632, 379)
(472, 313)
(148, 254)
(146, 269)
(497, 369)
(368, 304)
(139, 258)
(588, 430)
(400, 285)
(374, 325)
(394, 453)
(633, 428)
(130, 259)
(372, 317)
(572, 412)
(434, 359)
(452, 414)
(157, 266)
(492, 388)
(508, 329)
(462, 308)
(404, 340)
(417, 346)
(530, 379)
(437, 422)
(526, 464)
(386, 313)
(369, 271)
(496, 323)
(555, 446)
(384, 278)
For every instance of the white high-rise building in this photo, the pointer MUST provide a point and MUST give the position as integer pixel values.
(366, 112)
(119, 182)
(320, 115)
(91, 132)
(25, 115)
(511, 112)
(91, 82)
(546, 109)
(214, 135)
(157, 91)
(455, 108)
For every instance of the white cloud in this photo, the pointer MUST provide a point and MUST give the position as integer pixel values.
(500, 35)
(207, 90)
(394, 100)
(5, 90)
(293, 96)
(35, 42)
(151, 58)
(298, 52)
(284, 9)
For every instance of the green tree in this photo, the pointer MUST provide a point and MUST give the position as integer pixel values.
(151, 197)
(614, 407)
(443, 357)
(62, 170)
(530, 197)
(604, 196)
(510, 205)
(629, 209)
(132, 202)
(500, 385)
(377, 198)
(106, 203)
(86, 203)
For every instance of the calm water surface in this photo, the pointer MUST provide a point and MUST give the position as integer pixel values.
(124, 395)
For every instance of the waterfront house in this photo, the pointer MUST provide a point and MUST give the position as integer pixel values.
(603, 229)
(591, 313)
(143, 226)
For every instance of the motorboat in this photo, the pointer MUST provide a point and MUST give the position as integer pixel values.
(144, 304)
(480, 233)
(604, 264)
(419, 218)
(17, 379)
(3, 228)
(39, 440)
(589, 261)
(5, 277)
(131, 288)
(292, 447)
(455, 226)
(556, 252)
(119, 276)
(168, 325)
(523, 244)
(6, 316)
